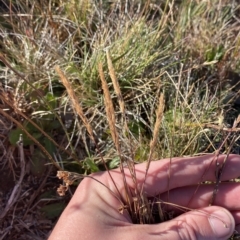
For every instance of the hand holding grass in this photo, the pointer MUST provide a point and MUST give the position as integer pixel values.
(93, 211)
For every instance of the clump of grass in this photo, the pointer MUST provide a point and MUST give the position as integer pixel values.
(142, 209)
(118, 63)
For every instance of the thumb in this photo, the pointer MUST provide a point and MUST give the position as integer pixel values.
(201, 224)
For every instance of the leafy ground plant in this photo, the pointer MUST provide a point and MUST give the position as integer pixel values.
(93, 85)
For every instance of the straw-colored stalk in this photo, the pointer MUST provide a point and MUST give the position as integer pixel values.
(117, 90)
(112, 121)
(122, 107)
(115, 83)
(77, 107)
(73, 98)
(109, 108)
(159, 115)
(130, 164)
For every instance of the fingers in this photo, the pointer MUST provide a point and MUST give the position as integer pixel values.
(204, 224)
(236, 216)
(183, 172)
(227, 196)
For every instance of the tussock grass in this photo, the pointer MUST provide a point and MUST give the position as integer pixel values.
(134, 82)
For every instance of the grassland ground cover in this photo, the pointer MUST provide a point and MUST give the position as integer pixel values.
(86, 85)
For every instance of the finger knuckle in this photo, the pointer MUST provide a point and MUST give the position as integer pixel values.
(185, 231)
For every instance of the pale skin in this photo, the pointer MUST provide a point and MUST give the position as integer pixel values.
(93, 210)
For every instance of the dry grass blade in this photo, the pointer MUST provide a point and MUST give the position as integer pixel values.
(109, 108)
(10, 104)
(33, 198)
(190, 109)
(233, 129)
(149, 39)
(39, 93)
(115, 83)
(220, 168)
(31, 137)
(130, 164)
(17, 188)
(112, 121)
(20, 75)
(122, 110)
(75, 102)
(159, 115)
(79, 110)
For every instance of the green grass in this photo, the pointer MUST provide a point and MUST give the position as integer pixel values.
(183, 49)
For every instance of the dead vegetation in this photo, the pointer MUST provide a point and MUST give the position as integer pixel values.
(93, 85)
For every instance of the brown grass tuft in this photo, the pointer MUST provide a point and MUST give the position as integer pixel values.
(115, 83)
(109, 108)
(159, 115)
(76, 106)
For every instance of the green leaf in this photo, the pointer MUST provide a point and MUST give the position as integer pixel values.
(91, 165)
(51, 194)
(136, 128)
(114, 163)
(30, 127)
(215, 53)
(51, 100)
(49, 146)
(54, 210)
(14, 134)
(38, 161)
(37, 135)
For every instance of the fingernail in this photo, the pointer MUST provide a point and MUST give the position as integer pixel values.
(222, 223)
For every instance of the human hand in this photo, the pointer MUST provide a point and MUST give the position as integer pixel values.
(93, 210)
